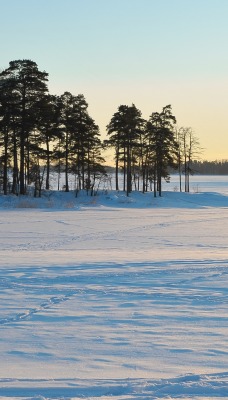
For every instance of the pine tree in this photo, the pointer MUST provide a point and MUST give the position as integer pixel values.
(163, 146)
(124, 132)
(26, 85)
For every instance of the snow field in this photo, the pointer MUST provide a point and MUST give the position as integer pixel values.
(114, 298)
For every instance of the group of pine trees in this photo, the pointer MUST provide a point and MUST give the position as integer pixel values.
(39, 131)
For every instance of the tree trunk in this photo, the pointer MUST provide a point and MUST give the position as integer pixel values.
(66, 166)
(22, 145)
(48, 167)
(117, 169)
(5, 169)
(15, 165)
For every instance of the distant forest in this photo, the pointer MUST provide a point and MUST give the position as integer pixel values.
(208, 167)
(41, 132)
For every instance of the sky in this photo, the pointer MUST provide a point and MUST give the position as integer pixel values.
(148, 52)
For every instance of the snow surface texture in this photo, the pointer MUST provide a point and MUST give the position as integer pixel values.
(114, 297)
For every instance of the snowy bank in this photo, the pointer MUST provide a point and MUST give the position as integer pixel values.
(69, 201)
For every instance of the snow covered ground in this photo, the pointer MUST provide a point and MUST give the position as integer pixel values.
(110, 297)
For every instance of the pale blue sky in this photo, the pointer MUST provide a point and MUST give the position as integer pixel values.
(147, 52)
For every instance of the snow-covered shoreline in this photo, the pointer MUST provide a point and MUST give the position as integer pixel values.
(58, 200)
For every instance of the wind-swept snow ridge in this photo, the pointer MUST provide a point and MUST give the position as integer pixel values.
(211, 386)
(121, 322)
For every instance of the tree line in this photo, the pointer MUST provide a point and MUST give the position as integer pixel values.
(40, 131)
(210, 167)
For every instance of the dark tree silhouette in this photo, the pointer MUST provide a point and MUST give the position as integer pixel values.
(38, 129)
(27, 85)
(124, 131)
(160, 130)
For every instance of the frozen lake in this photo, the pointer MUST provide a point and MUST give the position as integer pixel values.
(114, 297)
(200, 183)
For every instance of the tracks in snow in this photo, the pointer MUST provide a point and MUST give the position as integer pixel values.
(30, 312)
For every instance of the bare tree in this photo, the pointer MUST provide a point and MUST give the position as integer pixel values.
(188, 150)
